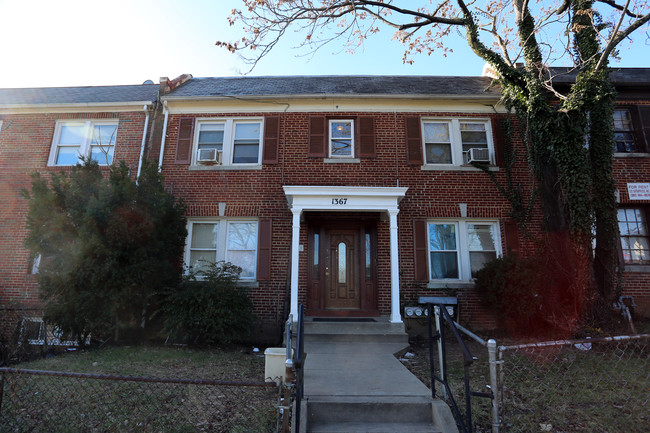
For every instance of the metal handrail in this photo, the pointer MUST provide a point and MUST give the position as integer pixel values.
(468, 359)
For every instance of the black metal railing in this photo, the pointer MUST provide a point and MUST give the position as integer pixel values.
(294, 385)
(439, 304)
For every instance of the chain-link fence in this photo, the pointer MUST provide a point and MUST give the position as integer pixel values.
(45, 401)
(593, 385)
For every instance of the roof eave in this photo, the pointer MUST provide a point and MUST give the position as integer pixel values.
(76, 105)
(331, 95)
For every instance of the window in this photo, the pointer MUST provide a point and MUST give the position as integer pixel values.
(228, 142)
(635, 240)
(456, 141)
(458, 249)
(74, 139)
(233, 241)
(624, 132)
(341, 141)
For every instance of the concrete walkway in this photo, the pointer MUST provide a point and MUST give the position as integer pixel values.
(354, 383)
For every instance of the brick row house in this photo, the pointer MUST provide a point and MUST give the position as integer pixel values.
(350, 195)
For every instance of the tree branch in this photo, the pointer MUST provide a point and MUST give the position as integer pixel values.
(623, 9)
(617, 37)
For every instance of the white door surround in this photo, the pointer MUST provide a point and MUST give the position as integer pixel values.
(346, 199)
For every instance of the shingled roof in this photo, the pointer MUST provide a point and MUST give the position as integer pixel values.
(78, 95)
(422, 86)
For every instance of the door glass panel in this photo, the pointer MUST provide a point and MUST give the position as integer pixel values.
(342, 262)
(316, 268)
(368, 267)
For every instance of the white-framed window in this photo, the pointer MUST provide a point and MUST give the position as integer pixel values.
(233, 240)
(341, 138)
(459, 248)
(634, 235)
(457, 141)
(90, 138)
(228, 142)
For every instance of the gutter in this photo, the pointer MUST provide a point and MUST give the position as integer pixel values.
(144, 140)
(164, 136)
(75, 105)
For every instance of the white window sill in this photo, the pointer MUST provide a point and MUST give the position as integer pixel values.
(440, 284)
(341, 160)
(637, 268)
(448, 167)
(248, 284)
(225, 167)
(631, 155)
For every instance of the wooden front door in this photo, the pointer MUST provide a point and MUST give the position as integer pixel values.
(342, 271)
(342, 268)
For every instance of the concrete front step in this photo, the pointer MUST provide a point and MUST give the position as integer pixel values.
(355, 427)
(327, 414)
(380, 331)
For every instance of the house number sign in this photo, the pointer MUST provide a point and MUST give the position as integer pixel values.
(341, 201)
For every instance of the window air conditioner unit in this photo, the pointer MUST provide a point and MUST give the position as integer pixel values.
(478, 154)
(210, 155)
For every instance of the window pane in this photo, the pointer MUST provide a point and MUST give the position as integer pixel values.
(246, 260)
(204, 236)
(444, 265)
(481, 237)
(67, 155)
(442, 237)
(104, 135)
(211, 137)
(247, 131)
(436, 132)
(341, 129)
(341, 147)
(246, 153)
(71, 134)
(102, 154)
(199, 259)
(622, 120)
(242, 236)
(478, 259)
(438, 153)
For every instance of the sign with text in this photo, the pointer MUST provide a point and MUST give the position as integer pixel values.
(638, 191)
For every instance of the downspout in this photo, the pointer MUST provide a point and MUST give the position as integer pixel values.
(144, 140)
(164, 136)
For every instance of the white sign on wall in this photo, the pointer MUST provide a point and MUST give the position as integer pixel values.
(638, 191)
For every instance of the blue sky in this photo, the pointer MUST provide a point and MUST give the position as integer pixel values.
(84, 42)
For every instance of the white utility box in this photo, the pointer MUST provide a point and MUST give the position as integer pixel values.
(274, 363)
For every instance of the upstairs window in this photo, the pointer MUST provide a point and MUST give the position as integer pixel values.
(341, 138)
(456, 141)
(228, 142)
(624, 139)
(76, 139)
(635, 239)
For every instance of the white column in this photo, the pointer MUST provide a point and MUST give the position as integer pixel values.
(395, 313)
(295, 261)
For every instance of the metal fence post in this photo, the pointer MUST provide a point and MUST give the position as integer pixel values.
(494, 383)
(2, 388)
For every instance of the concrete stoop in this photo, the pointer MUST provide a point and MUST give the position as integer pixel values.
(381, 331)
(377, 414)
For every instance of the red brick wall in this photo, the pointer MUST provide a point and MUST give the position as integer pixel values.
(25, 142)
(258, 193)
